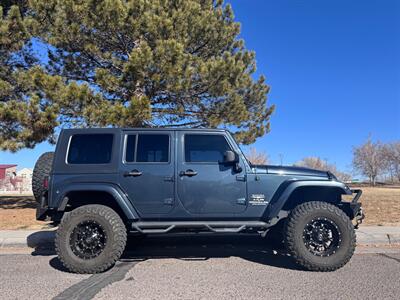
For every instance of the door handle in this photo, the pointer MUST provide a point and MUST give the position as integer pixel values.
(188, 173)
(133, 173)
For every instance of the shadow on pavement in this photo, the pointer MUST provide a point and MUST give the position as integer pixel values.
(55, 263)
(199, 247)
(41, 240)
(17, 202)
(202, 247)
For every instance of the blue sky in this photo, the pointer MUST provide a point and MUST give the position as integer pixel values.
(334, 71)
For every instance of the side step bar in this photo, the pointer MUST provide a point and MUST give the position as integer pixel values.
(213, 226)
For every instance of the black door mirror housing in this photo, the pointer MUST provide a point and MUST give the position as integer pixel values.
(230, 157)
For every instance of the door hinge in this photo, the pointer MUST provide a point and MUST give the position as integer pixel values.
(168, 201)
(241, 178)
(241, 201)
(169, 178)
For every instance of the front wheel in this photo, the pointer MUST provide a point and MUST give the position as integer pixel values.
(319, 236)
(90, 239)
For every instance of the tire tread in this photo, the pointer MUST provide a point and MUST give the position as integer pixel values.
(42, 168)
(118, 230)
(301, 211)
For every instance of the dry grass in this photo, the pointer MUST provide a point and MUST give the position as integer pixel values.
(381, 206)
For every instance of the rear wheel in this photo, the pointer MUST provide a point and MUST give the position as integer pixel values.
(90, 239)
(319, 236)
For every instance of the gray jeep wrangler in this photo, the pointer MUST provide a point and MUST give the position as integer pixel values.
(102, 184)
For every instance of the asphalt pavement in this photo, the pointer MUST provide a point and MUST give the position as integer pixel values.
(199, 267)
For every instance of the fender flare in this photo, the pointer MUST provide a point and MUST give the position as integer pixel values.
(118, 195)
(286, 189)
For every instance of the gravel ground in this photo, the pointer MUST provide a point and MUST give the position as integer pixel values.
(199, 268)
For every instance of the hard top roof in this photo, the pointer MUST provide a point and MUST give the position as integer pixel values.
(109, 129)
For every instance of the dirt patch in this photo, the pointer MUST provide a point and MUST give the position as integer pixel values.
(19, 212)
(381, 206)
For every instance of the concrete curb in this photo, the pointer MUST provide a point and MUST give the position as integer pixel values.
(27, 238)
(366, 235)
(378, 235)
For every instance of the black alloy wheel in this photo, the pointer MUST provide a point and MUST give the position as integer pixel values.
(322, 237)
(88, 239)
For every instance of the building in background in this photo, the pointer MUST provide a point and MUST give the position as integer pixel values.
(13, 181)
(25, 180)
(7, 175)
(7, 170)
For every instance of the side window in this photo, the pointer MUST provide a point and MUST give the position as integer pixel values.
(205, 148)
(90, 149)
(152, 148)
(130, 148)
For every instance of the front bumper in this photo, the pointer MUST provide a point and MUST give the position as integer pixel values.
(359, 215)
(353, 208)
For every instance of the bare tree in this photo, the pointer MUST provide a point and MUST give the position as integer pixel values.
(343, 176)
(368, 159)
(322, 164)
(391, 157)
(257, 157)
(313, 163)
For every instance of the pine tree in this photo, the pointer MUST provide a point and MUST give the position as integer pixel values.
(130, 63)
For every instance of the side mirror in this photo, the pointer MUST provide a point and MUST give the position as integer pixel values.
(230, 157)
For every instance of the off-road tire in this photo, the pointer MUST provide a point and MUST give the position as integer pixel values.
(295, 225)
(113, 227)
(40, 171)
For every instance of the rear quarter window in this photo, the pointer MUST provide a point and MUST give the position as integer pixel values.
(90, 149)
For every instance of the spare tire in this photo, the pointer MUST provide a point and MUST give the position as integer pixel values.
(40, 171)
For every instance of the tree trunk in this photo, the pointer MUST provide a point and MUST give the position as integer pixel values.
(373, 180)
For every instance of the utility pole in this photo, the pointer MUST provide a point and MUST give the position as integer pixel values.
(281, 158)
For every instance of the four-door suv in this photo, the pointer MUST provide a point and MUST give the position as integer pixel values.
(102, 184)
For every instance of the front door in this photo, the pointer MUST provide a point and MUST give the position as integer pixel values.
(204, 184)
(147, 174)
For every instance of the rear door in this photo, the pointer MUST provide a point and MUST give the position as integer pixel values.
(204, 184)
(147, 174)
